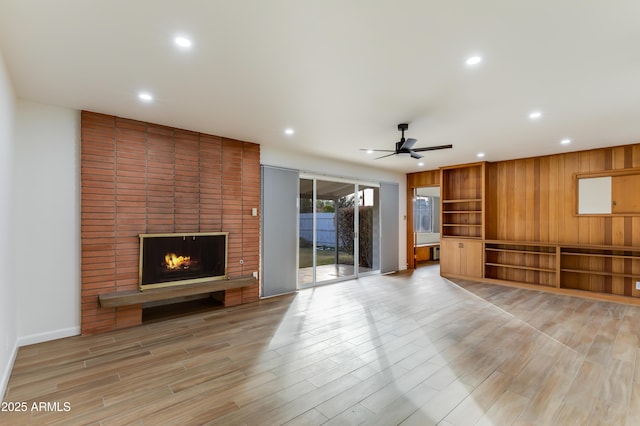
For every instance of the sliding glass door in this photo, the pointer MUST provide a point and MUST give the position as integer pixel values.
(329, 248)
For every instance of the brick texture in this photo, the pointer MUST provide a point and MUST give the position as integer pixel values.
(145, 178)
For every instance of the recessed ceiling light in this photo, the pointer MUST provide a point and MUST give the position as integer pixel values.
(480, 154)
(535, 115)
(421, 164)
(474, 60)
(369, 151)
(182, 41)
(289, 131)
(144, 96)
(565, 141)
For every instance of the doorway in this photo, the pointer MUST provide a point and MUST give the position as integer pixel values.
(339, 230)
(426, 224)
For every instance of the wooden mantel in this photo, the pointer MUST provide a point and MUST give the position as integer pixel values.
(135, 297)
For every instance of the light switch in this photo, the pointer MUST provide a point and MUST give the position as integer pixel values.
(254, 212)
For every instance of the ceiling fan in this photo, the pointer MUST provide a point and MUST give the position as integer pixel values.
(405, 146)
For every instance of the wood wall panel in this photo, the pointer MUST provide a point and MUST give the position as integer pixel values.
(534, 199)
(423, 179)
(145, 178)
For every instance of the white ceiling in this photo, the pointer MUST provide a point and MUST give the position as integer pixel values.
(343, 73)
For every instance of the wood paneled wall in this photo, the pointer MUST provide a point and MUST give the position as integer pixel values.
(534, 199)
(144, 178)
(416, 180)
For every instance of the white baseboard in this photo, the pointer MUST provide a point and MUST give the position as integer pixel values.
(49, 335)
(6, 374)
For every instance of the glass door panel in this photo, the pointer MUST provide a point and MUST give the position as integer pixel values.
(339, 230)
(306, 232)
(368, 229)
(335, 248)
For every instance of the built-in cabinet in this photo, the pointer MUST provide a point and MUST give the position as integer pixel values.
(517, 222)
(462, 210)
(461, 257)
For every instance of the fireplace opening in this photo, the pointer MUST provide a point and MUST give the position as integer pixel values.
(176, 259)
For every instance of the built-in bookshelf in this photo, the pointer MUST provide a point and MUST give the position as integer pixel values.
(462, 198)
(521, 262)
(603, 269)
(526, 217)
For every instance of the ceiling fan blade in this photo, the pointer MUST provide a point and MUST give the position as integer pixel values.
(388, 155)
(433, 148)
(408, 144)
(415, 155)
(376, 150)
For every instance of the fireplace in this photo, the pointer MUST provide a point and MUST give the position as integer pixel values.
(176, 259)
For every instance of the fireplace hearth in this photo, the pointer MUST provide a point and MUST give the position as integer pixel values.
(177, 259)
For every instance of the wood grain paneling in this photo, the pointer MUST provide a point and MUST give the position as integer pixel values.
(534, 199)
(145, 178)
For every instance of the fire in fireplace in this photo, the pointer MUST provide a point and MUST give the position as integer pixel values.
(175, 259)
(173, 262)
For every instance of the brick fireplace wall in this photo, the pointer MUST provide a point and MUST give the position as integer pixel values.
(145, 178)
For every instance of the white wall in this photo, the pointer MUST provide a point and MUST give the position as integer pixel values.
(314, 165)
(8, 318)
(46, 222)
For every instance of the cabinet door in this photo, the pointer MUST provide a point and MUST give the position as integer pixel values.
(449, 257)
(423, 253)
(622, 190)
(471, 259)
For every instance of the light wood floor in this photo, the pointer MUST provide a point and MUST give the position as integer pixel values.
(410, 349)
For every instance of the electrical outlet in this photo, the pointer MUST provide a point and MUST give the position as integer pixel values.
(637, 285)
(255, 274)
